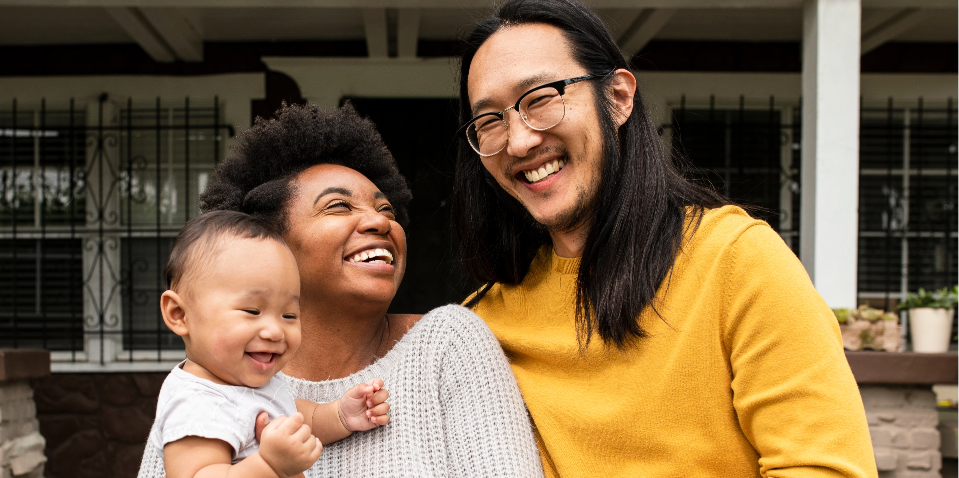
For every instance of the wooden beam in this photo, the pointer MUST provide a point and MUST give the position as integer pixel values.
(485, 4)
(132, 21)
(898, 24)
(649, 23)
(377, 36)
(177, 31)
(877, 17)
(407, 32)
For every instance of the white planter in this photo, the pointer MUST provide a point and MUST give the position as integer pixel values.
(931, 329)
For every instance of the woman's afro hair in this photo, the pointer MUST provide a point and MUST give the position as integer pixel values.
(258, 179)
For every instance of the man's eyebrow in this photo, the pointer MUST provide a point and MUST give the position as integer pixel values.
(379, 195)
(524, 85)
(332, 190)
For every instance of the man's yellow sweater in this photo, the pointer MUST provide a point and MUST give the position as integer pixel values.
(744, 374)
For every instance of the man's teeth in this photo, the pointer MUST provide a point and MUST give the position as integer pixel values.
(373, 255)
(545, 171)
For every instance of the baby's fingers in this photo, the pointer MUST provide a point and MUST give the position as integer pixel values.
(317, 449)
(302, 435)
(291, 424)
(377, 398)
(379, 415)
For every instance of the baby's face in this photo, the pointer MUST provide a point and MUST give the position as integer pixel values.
(243, 312)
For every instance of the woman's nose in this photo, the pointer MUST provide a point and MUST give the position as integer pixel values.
(522, 138)
(374, 222)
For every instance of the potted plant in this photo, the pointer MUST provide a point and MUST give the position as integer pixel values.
(866, 328)
(930, 318)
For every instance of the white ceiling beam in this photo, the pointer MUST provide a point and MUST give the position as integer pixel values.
(140, 30)
(377, 35)
(649, 23)
(898, 24)
(407, 32)
(177, 31)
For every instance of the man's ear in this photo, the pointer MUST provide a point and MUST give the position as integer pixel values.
(174, 315)
(622, 90)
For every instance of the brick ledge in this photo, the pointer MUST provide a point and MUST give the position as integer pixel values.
(903, 368)
(22, 364)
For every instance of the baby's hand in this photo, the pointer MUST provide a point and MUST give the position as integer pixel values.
(288, 446)
(364, 406)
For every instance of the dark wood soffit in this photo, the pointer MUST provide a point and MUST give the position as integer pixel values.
(786, 57)
(658, 55)
(22, 364)
(904, 368)
(221, 57)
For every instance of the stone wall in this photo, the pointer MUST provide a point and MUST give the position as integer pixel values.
(903, 423)
(21, 445)
(96, 424)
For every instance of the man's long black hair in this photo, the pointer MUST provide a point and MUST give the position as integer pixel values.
(642, 209)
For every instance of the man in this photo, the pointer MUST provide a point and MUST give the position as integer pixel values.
(654, 330)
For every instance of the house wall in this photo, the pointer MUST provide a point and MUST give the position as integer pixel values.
(96, 424)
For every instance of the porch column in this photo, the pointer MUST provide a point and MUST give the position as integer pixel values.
(830, 147)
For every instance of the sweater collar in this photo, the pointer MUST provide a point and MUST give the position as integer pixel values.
(561, 265)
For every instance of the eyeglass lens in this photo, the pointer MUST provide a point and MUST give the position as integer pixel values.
(540, 109)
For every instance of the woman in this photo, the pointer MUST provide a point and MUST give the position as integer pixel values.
(325, 181)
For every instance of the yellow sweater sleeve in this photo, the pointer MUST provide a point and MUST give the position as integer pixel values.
(795, 397)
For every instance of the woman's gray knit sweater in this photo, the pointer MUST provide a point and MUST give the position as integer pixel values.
(454, 405)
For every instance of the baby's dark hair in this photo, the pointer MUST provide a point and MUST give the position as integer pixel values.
(202, 236)
(258, 178)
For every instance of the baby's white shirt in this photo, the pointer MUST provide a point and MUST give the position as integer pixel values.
(192, 406)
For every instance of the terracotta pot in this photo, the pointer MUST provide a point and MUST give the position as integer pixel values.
(931, 329)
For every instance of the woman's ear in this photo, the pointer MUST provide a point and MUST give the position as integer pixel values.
(174, 315)
(622, 90)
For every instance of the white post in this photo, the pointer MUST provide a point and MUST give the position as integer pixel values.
(830, 147)
(102, 311)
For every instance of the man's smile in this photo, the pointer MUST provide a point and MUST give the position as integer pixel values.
(546, 170)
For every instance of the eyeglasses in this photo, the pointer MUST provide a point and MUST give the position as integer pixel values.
(541, 108)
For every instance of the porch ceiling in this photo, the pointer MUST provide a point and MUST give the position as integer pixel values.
(634, 22)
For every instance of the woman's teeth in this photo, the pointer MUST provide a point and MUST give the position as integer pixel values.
(373, 256)
(545, 171)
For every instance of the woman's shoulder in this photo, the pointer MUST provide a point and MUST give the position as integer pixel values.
(457, 325)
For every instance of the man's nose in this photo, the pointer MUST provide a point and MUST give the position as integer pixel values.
(521, 138)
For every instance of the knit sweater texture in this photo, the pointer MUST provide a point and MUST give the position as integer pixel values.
(742, 375)
(454, 405)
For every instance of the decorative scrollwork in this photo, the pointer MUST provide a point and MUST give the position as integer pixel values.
(142, 297)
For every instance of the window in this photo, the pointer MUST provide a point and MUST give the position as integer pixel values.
(91, 197)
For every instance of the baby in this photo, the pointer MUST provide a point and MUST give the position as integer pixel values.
(234, 298)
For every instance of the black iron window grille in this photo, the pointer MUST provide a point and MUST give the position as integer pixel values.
(907, 182)
(750, 154)
(90, 198)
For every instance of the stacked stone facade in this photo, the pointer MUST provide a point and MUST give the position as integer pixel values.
(96, 424)
(903, 423)
(21, 445)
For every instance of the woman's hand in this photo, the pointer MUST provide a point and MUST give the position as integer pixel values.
(364, 406)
